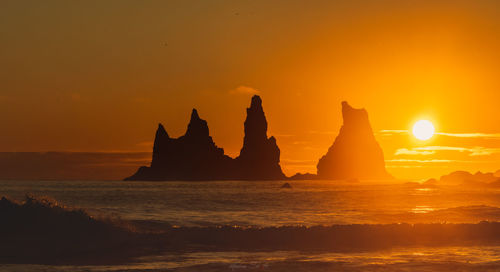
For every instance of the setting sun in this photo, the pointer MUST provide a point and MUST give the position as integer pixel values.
(423, 130)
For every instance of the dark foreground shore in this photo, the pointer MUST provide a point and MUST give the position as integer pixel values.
(41, 231)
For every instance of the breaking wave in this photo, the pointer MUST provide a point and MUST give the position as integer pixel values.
(40, 230)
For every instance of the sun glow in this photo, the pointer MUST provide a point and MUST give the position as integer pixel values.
(423, 130)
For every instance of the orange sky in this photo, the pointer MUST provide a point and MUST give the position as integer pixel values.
(100, 75)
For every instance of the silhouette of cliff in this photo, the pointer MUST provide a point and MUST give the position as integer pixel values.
(260, 156)
(355, 152)
(195, 156)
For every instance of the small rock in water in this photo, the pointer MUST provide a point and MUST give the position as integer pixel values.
(286, 186)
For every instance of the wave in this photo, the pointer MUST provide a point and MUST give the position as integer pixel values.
(42, 231)
(338, 238)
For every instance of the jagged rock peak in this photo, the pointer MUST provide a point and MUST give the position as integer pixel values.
(197, 126)
(194, 115)
(161, 132)
(256, 103)
(255, 123)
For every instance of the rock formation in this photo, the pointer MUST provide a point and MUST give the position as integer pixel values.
(304, 176)
(195, 156)
(260, 156)
(355, 152)
(466, 178)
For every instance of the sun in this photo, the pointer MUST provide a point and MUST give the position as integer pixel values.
(423, 130)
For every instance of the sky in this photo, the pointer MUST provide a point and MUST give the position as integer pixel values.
(98, 76)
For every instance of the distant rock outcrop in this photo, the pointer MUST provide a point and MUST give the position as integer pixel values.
(195, 156)
(355, 152)
(305, 176)
(468, 179)
(286, 186)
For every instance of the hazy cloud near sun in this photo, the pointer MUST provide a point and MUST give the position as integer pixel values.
(419, 161)
(244, 90)
(471, 135)
(429, 150)
(389, 132)
(406, 151)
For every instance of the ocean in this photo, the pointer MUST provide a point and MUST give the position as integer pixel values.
(264, 204)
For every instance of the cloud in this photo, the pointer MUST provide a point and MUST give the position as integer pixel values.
(441, 148)
(301, 142)
(281, 135)
(299, 162)
(70, 165)
(148, 144)
(420, 161)
(389, 132)
(405, 151)
(244, 90)
(404, 166)
(428, 150)
(392, 131)
(482, 151)
(471, 135)
(322, 132)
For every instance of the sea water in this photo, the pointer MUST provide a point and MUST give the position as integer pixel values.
(264, 204)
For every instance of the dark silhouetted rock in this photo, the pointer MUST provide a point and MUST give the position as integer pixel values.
(306, 176)
(286, 186)
(355, 152)
(195, 156)
(260, 156)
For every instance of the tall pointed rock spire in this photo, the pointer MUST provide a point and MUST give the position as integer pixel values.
(260, 156)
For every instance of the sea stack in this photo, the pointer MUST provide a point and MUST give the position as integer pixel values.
(194, 156)
(260, 156)
(355, 152)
